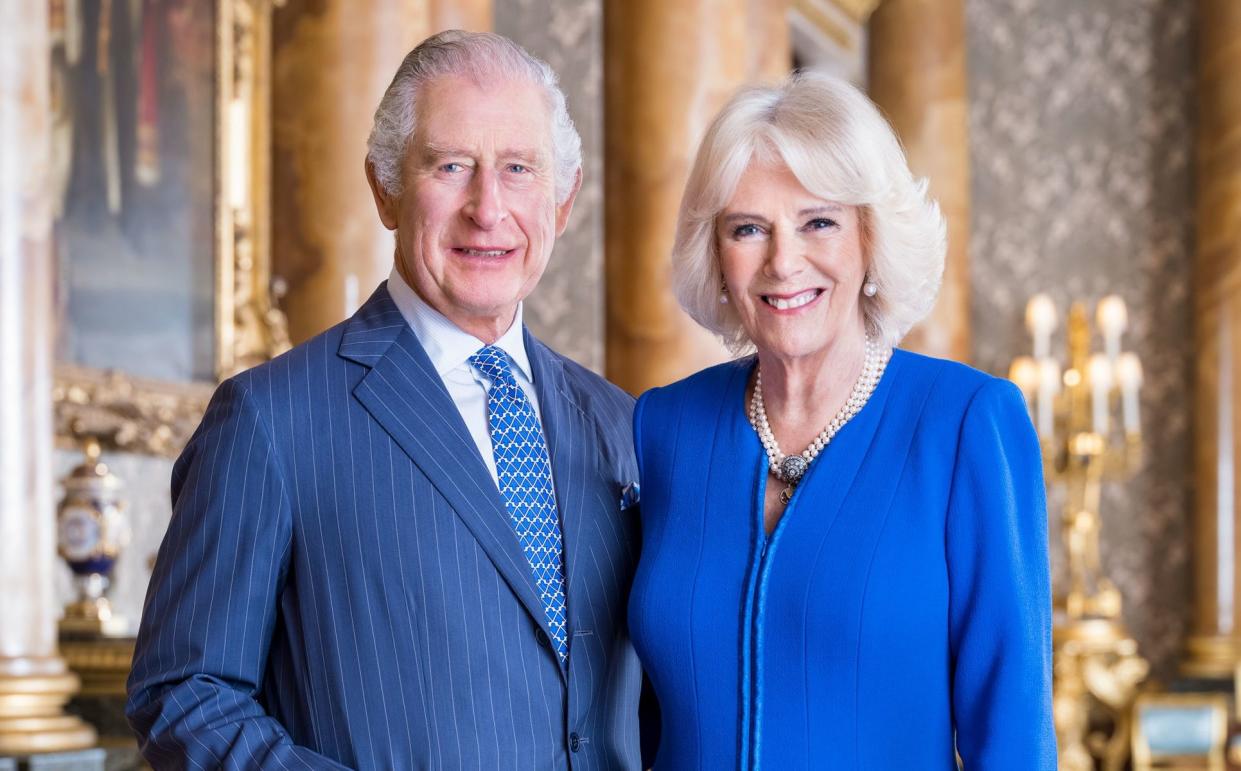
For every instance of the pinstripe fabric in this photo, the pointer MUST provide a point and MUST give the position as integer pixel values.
(340, 584)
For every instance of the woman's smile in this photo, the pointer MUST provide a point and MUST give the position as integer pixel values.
(788, 303)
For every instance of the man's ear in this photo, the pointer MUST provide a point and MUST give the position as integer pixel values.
(384, 203)
(564, 209)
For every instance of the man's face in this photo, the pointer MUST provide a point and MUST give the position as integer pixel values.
(477, 216)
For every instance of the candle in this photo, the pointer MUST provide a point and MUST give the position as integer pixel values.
(239, 153)
(1099, 375)
(1048, 387)
(1112, 317)
(1024, 372)
(1129, 373)
(1041, 321)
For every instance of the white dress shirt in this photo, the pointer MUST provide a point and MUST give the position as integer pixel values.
(449, 348)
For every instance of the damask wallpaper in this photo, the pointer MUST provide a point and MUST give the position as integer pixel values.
(566, 311)
(1081, 122)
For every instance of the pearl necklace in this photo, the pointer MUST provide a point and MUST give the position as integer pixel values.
(790, 469)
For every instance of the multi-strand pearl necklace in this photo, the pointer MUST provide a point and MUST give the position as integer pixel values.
(789, 469)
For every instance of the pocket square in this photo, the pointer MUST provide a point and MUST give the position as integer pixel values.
(630, 495)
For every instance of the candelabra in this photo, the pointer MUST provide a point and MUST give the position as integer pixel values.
(1097, 666)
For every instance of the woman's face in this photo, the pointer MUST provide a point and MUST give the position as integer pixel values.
(792, 263)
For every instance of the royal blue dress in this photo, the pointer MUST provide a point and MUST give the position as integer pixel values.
(903, 600)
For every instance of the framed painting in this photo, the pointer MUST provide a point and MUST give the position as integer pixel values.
(160, 130)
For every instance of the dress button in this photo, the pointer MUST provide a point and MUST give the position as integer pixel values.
(542, 639)
(575, 742)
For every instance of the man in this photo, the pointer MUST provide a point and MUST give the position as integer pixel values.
(406, 543)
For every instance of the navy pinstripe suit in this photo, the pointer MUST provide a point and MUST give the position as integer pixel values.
(340, 584)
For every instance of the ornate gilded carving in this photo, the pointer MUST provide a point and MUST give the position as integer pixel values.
(1097, 673)
(126, 413)
(250, 329)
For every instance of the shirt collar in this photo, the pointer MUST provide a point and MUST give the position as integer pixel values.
(447, 345)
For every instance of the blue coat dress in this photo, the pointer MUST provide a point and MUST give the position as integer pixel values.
(903, 600)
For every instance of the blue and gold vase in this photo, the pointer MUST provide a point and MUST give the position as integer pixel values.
(91, 531)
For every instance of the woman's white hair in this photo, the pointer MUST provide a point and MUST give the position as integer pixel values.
(833, 139)
(481, 56)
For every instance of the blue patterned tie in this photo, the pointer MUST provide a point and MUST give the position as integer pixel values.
(525, 476)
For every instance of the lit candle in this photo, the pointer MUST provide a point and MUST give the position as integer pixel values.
(1024, 372)
(1041, 321)
(1112, 317)
(1129, 373)
(1099, 375)
(1048, 387)
(239, 154)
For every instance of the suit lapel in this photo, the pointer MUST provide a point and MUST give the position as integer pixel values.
(571, 443)
(405, 395)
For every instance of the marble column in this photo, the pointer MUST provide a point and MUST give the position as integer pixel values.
(1215, 645)
(918, 78)
(472, 15)
(770, 47)
(34, 681)
(332, 61)
(566, 310)
(668, 68)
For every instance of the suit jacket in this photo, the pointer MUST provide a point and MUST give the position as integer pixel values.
(340, 584)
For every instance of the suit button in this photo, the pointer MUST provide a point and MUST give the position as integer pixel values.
(575, 742)
(541, 637)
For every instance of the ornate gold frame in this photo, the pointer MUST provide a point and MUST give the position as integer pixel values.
(156, 418)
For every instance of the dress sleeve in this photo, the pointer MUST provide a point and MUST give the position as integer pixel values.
(649, 716)
(1000, 589)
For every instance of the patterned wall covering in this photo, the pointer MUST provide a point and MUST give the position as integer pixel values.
(1081, 126)
(566, 311)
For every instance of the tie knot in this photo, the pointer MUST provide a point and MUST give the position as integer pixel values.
(493, 363)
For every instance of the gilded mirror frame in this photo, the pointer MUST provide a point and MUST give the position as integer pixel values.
(157, 417)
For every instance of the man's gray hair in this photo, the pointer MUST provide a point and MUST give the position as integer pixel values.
(481, 56)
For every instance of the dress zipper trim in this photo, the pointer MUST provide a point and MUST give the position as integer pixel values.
(755, 613)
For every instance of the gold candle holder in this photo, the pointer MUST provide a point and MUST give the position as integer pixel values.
(1097, 667)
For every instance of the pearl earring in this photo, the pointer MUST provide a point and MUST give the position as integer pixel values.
(723, 293)
(870, 288)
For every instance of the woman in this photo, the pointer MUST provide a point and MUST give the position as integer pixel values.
(845, 547)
